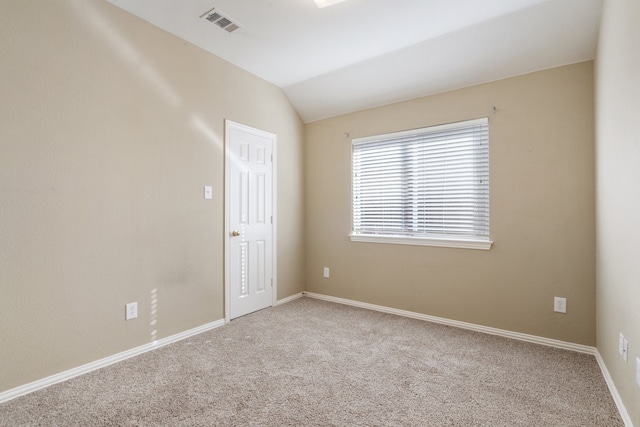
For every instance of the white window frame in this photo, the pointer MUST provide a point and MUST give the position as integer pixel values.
(440, 240)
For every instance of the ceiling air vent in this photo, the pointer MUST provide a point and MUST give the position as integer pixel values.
(221, 20)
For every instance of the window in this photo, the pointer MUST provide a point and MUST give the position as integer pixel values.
(425, 186)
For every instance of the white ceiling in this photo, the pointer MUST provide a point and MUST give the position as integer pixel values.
(364, 53)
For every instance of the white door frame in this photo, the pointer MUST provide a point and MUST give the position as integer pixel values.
(227, 231)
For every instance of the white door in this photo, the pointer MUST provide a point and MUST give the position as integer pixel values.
(249, 225)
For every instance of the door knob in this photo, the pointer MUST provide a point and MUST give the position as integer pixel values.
(235, 233)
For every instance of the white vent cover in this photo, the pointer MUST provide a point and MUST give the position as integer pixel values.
(221, 20)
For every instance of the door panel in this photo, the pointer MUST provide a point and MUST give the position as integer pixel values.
(250, 228)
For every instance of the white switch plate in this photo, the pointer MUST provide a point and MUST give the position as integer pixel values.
(131, 311)
(208, 192)
(560, 305)
(638, 370)
(326, 272)
(621, 344)
(625, 349)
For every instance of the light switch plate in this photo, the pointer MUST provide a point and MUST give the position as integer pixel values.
(208, 192)
(638, 370)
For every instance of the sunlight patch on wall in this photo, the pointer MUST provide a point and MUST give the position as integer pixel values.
(127, 52)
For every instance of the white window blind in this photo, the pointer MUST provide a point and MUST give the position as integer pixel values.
(431, 182)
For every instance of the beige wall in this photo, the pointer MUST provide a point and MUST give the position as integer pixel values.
(109, 130)
(618, 194)
(542, 211)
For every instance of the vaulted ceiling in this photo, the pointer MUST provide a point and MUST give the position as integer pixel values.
(365, 53)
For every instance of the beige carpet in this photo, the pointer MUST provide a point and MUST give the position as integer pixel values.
(314, 363)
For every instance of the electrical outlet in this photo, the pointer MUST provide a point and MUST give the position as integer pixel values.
(638, 370)
(621, 344)
(560, 305)
(131, 311)
(625, 349)
(326, 272)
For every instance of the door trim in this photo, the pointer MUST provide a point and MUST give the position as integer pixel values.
(274, 197)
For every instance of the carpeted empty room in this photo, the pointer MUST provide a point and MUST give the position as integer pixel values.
(320, 213)
(318, 363)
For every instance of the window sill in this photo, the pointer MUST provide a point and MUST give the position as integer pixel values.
(444, 242)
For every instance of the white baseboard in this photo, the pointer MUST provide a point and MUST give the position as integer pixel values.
(80, 370)
(495, 331)
(462, 325)
(71, 373)
(614, 391)
(289, 299)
